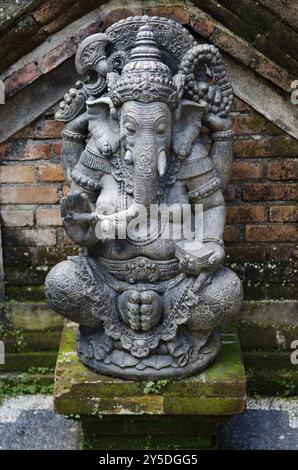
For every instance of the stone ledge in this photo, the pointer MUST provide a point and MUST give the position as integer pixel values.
(219, 391)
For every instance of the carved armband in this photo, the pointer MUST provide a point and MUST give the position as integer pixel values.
(218, 241)
(222, 135)
(206, 189)
(73, 136)
(85, 181)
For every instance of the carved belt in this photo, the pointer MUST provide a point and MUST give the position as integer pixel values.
(141, 269)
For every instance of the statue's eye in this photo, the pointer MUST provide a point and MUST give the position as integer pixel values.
(130, 129)
(161, 129)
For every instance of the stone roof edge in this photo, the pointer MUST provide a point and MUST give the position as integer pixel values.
(62, 45)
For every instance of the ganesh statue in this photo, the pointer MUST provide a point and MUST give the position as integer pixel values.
(147, 134)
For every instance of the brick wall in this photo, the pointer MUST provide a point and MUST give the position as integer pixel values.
(31, 186)
(260, 233)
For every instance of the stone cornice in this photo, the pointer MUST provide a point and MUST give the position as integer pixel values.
(25, 77)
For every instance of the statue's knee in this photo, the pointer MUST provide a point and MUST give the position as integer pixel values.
(67, 293)
(219, 302)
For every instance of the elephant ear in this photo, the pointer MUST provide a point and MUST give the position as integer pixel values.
(103, 125)
(186, 126)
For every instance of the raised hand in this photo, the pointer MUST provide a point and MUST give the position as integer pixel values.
(77, 218)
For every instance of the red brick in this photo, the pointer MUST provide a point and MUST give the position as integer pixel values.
(49, 129)
(17, 174)
(270, 191)
(253, 123)
(283, 214)
(173, 13)
(204, 27)
(25, 133)
(4, 150)
(272, 232)
(244, 170)
(254, 251)
(56, 148)
(31, 237)
(232, 233)
(119, 14)
(51, 173)
(29, 195)
(66, 189)
(68, 240)
(21, 78)
(17, 218)
(239, 105)
(50, 10)
(45, 216)
(229, 192)
(35, 151)
(282, 170)
(273, 146)
(244, 214)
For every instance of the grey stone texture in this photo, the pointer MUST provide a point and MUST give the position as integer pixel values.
(149, 303)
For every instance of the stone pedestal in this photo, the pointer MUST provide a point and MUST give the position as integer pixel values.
(123, 414)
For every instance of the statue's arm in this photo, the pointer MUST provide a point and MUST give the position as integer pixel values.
(214, 215)
(77, 209)
(221, 151)
(74, 137)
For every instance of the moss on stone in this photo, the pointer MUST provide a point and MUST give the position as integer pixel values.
(20, 362)
(272, 383)
(78, 390)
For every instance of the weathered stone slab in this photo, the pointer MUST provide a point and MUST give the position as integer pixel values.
(268, 325)
(220, 390)
(164, 414)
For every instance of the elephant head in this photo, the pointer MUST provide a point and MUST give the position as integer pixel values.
(147, 133)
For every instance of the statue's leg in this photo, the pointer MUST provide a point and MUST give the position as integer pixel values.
(218, 302)
(68, 293)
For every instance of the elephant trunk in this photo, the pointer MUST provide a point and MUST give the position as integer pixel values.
(149, 165)
(146, 176)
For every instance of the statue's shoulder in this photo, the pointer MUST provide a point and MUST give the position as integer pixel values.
(197, 163)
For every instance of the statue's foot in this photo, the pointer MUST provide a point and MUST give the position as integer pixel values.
(140, 310)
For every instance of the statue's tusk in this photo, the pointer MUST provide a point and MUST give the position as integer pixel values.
(162, 163)
(128, 157)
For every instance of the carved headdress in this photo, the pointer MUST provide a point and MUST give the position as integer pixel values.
(145, 77)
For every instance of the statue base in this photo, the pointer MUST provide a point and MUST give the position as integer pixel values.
(161, 414)
(139, 369)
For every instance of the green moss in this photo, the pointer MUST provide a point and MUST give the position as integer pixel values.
(78, 390)
(149, 442)
(25, 293)
(26, 383)
(21, 362)
(155, 386)
(272, 383)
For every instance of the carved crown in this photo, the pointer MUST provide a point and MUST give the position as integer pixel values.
(145, 77)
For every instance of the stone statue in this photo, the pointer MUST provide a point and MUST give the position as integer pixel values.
(148, 305)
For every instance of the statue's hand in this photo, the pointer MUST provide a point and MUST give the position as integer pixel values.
(216, 123)
(77, 218)
(216, 259)
(189, 265)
